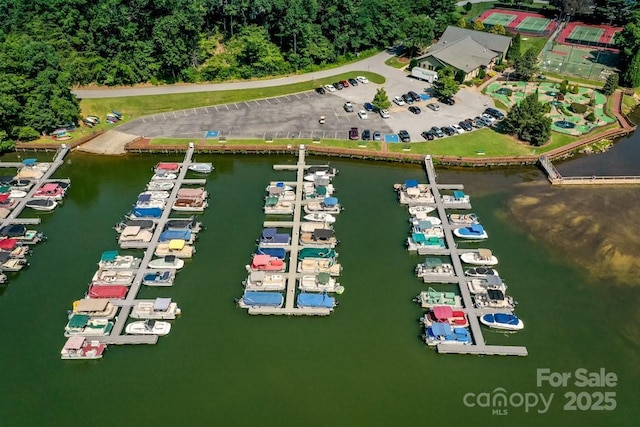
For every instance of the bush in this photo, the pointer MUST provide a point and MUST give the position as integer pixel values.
(491, 73)
(590, 117)
(592, 102)
(413, 63)
(578, 108)
(475, 81)
(564, 110)
(547, 107)
(27, 133)
(575, 89)
(500, 67)
(482, 73)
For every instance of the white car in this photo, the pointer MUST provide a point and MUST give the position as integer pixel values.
(489, 120)
(384, 114)
(398, 100)
(363, 114)
(457, 128)
(362, 79)
(329, 88)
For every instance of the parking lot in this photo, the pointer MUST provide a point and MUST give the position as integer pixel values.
(298, 115)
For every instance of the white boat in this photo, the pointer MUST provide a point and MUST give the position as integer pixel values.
(310, 227)
(318, 174)
(169, 262)
(148, 327)
(201, 167)
(276, 188)
(471, 232)
(463, 219)
(163, 176)
(434, 267)
(17, 194)
(83, 325)
(481, 257)
(151, 204)
(505, 321)
(275, 206)
(177, 247)
(134, 233)
(113, 277)
(321, 282)
(315, 266)
(458, 198)
(320, 217)
(421, 209)
(144, 224)
(79, 348)
(264, 281)
(415, 220)
(111, 260)
(42, 204)
(481, 285)
(156, 195)
(160, 308)
(189, 205)
(160, 186)
(415, 194)
(159, 278)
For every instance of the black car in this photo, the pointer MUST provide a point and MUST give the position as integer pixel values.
(449, 131)
(414, 109)
(404, 136)
(353, 82)
(366, 135)
(338, 85)
(414, 95)
(494, 113)
(447, 100)
(407, 98)
(437, 131)
(465, 126)
(320, 90)
(428, 135)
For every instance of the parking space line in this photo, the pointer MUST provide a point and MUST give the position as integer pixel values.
(296, 95)
(185, 112)
(227, 105)
(247, 104)
(143, 121)
(268, 101)
(236, 104)
(174, 115)
(307, 94)
(165, 117)
(195, 111)
(154, 118)
(257, 103)
(205, 109)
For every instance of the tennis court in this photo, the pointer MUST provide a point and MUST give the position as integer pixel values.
(534, 25)
(586, 34)
(590, 63)
(591, 35)
(498, 18)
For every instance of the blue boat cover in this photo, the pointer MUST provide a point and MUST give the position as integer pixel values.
(330, 201)
(270, 235)
(410, 183)
(175, 234)
(147, 212)
(476, 228)
(144, 197)
(316, 300)
(29, 162)
(419, 238)
(108, 255)
(279, 253)
(424, 225)
(458, 194)
(280, 184)
(441, 329)
(271, 299)
(160, 276)
(503, 318)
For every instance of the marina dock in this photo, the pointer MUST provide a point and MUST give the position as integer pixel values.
(555, 178)
(479, 346)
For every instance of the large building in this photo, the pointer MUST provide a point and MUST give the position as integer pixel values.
(466, 50)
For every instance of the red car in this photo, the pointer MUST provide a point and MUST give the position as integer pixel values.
(344, 83)
(354, 134)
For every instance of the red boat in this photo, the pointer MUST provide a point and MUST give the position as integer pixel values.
(266, 263)
(49, 191)
(167, 167)
(445, 314)
(115, 291)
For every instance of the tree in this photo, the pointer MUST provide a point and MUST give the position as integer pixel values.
(498, 29)
(628, 41)
(525, 65)
(575, 89)
(419, 30)
(446, 85)
(478, 25)
(631, 75)
(528, 122)
(514, 49)
(462, 23)
(468, 6)
(381, 99)
(611, 84)
(614, 10)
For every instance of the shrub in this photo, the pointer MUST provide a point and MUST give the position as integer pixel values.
(482, 73)
(592, 102)
(575, 89)
(578, 108)
(564, 110)
(469, 82)
(500, 67)
(475, 81)
(547, 107)
(413, 63)
(590, 117)
(491, 73)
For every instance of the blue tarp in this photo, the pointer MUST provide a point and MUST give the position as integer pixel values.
(175, 235)
(458, 194)
(144, 197)
(29, 162)
(330, 201)
(279, 253)
(268, 299)
(477, 228)
(316, 300)
(147, 212)
(441, 329)
(108, 255)
(159, 277)
(419, 238)
(410, 183)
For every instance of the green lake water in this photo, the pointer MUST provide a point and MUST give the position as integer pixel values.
(365, 365)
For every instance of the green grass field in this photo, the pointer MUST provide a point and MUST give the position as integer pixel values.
(395, 62)
(537, 43)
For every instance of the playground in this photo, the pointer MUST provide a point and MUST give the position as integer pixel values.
(591, 63)
(519, 22)
(564, 120)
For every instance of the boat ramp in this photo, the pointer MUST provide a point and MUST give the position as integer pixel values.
(479, 345)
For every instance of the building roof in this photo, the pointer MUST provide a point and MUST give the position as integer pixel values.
(494, 42)
(465, 54)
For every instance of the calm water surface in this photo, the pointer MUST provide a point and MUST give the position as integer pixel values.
(363, 366)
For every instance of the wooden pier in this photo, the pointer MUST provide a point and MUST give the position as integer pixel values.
(479, 346)
(555, 178)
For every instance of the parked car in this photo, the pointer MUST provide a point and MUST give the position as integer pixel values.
(398, 100)
(369, 106)
(338, 85)
(366, 135)
(447, 100)
(448, 131)
(414, 95)
(407, 98)
(487, 119)
(320, 90)
(457, 128)
(377, 136)
(437, 131)
(404, 136)
(428, 135)
(433, 106)
(329, 88)
(494, 113)
(363, 115)
(353, 82)
(362, 79)
(477, 122)
(348, 107)
(385, 114)
(465, 126)
(414, 109)
(354, 134)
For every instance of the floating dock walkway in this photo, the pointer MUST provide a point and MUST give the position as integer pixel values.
(555, 178)
(479, 346)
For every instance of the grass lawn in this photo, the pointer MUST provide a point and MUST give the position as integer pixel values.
(537, 43)
(573, 80)
(137, 106)
(476, 9)
(396, 62)
(628, 103)
(337, 143)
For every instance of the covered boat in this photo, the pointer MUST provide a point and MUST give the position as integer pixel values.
(112, 260)
(279, 253)
(481, 257)
(327, 205)
(321, 282)
(428, 229)
(308, 300)
(144, 224)
(253, 299)
(431, 298)
(314, 266)
(148, 327)
(271, 238)
(79, 348)
(319, 237)
(434, 267)
(14, 247)
(169, 262)
(113, 277)
(423, 244)
(142, 212)
(189, 205)
(506, 321)
(159, 278)
(95, 308)
(442, 333)
(160, 308)
(192, 193)
(481, 272)
(480, 285)
(201, 167)
(471, 232)
(83, 325)
(177, 234)
(183, 224)
(458, 198)
(11, 264)
(134, 233)
(317, 253)
(108, 291)
(445, 314)
(274, 206)
(145, 201)
(177, 247)
(167, 167)
(264, 281)
(494, 298)
(414, 194)
(266, 263)
(49, 191)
